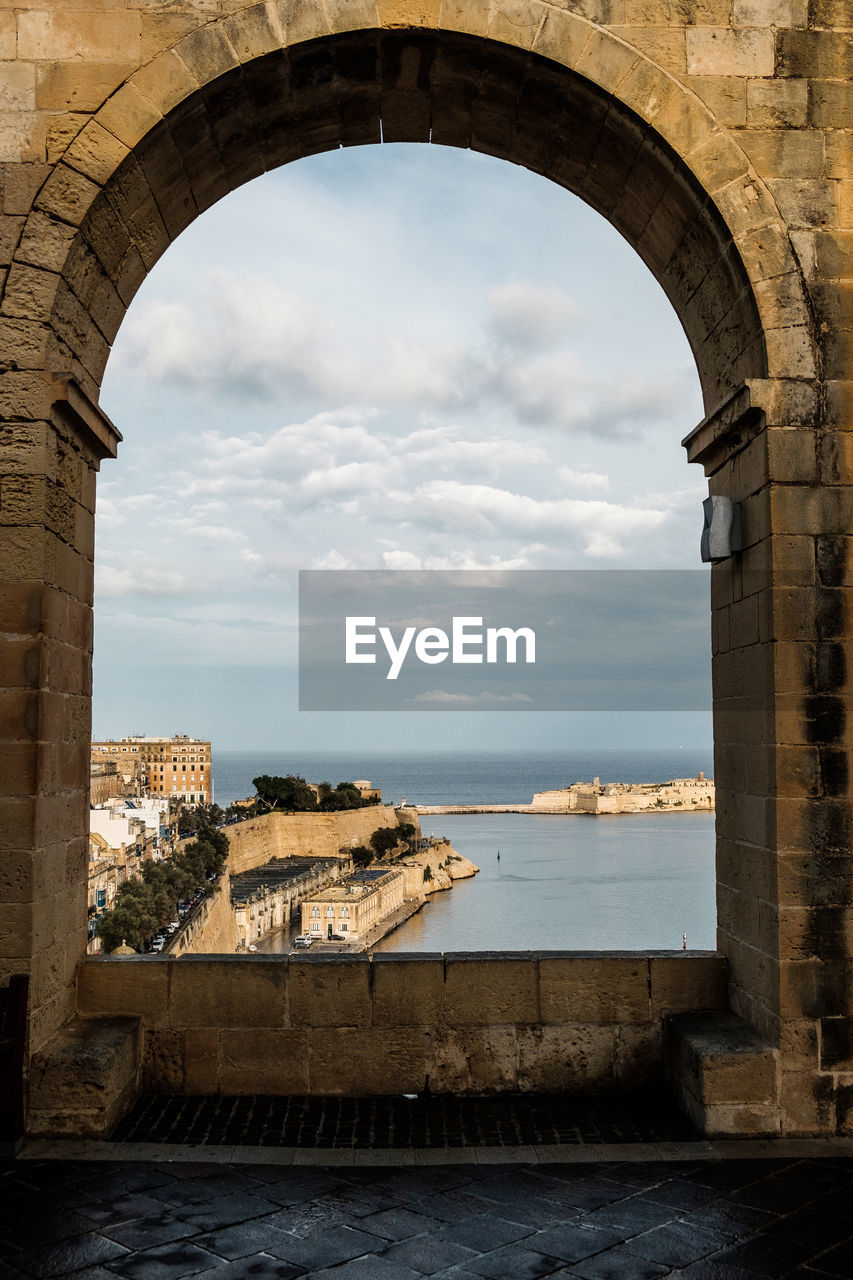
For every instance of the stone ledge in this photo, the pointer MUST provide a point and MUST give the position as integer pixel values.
(85, 1078)
(723, 1074)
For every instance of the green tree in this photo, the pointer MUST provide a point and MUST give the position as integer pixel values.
(291, 793)
(361, 855)
(384, 839)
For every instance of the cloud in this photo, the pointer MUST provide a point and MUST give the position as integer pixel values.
(151, 580)
(528, 316)
(441, 697)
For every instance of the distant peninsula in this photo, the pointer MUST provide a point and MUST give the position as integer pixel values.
(597, 799)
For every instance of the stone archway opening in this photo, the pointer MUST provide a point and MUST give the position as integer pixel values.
(585, 109)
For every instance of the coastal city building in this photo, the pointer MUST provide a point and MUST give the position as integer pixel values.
(352, 909)
(123, 835)
(179, 766)
(269, 897)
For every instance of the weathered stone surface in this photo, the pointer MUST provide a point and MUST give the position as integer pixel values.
(85, 1078)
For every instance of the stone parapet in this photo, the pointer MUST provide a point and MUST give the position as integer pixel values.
(397, 1023)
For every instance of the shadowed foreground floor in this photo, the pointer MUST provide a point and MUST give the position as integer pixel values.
(730, 1219)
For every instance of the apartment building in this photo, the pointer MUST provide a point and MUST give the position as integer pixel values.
(352, 909)
(163, 767)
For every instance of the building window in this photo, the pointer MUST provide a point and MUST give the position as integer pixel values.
(330, 913)
(345, 911)
(316, 926)
(344, 928)
(315, 911)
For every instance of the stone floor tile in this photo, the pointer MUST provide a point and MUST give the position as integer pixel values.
(241, 1240)
(144, 1233)
(309, 1216)
(166, 1262)
(574, 1240)
(370, 1268)
(486, 1231)
(225, 1210)
(456, 1206)
(618, 1264)
(325, 1248)
(681, 1193)
(675, 1244)
(514, 1261)
(766, 1256)
(838, 1261)
(259, 1266)
(426, 1254)
(399, 1224)
(631, 1215)
(138, 1204)
(67, 1256)
(729, 1220)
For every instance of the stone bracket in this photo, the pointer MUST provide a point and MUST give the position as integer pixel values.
(725, 432)
(723, 1074)
(74, 409)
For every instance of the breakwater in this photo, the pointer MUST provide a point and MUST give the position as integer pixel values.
(679, 795)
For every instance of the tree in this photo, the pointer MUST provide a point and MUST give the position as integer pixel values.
(384, 839)
(200, 815)
(291, 793)
(361, 855)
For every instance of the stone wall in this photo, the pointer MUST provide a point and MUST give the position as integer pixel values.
(395, 1023)
(302, 835)
(213, 930)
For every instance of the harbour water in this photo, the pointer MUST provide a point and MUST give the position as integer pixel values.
(575, 883)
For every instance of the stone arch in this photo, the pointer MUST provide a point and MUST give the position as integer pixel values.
(546, 88)
(570, 98)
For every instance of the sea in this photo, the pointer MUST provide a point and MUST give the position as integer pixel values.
(626, 882)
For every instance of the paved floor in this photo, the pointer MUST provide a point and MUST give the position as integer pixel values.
(227, 1218)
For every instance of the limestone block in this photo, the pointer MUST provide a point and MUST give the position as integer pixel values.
(469, 16)
(83, 1080)
(57, 36)
(65, 86)
(473, 1059)
(201, 1058)
(356, 1062)
(489, 989)
(605, 61)
(226, 991)
(129, 115)
(725, 96)
(574, 1058)
(721, 1060)
(386, 13)
(721, 51)
(163, 1060)
(265, 1062)
(17, 86)
(686, 981)
(562, 37)
(515, 22)
(134, 986)
(771, 13)
(323, 992)
(665, 45)
(165, 82)
(302, 20)
(783, 153)
(206, 53)
(407, 990)
(22, 138)
(253, 31)
(595, 988)
(807, 1104)
(777, 104)
(639, 1056)
(8, 34)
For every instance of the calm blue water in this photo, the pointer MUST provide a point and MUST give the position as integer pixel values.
(585, 884)
(501, 777)
(561, 882)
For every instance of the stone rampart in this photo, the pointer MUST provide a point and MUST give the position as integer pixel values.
(396, 1023)
(214, 929)
(302, 835)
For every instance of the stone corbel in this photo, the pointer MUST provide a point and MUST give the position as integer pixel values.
(77, 413)
(726, 431)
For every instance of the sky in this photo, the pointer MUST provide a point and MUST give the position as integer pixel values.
(401, 357)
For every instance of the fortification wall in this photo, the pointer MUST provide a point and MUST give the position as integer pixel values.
(302, 835)
(214, 930)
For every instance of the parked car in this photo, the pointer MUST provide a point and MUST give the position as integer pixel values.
(301, 944)
(337, 937)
